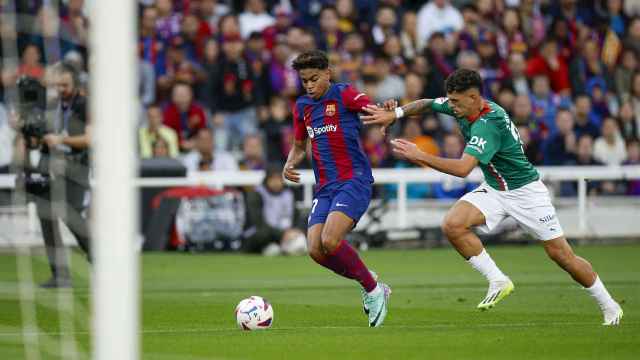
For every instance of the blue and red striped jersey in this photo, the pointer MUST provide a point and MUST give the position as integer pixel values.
(333, 125)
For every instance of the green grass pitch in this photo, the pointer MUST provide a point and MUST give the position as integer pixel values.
(188, 302)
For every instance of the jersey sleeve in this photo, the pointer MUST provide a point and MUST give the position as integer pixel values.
(441, 105)
(354, 100)
(299, 129)
(484, 142)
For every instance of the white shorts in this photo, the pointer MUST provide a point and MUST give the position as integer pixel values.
(530, 206)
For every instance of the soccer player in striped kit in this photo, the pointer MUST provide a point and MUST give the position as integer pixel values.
(512, 187)
(328, 116)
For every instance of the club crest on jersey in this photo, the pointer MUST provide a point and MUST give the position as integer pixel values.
(330, 110)
(310, 132)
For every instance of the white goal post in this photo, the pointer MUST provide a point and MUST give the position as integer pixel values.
(113, 98)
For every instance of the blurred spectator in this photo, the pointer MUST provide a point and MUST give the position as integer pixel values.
(389, 86)
(375, 146)
(517, 78)
(179, 68)
(254, 18)
(510, 39)
(506, 98)
(155, 131)
(284, 20)
(184, 116)
(328, 36)
(253, 155)
(550, 64)
(234, 94)
(451, 187)
(633, 158)
(75, 21)
(587, 66)
(53, 40)
(584, 157)
(586, 122)
(168, 22)
(195, 33)
(352, 58)
(348, 17)
(437, 16)
(545, 103)
(610, 149)
(437, 55)
(468, 59)
(152, 49)
(530, 145)
(7, 136)
(392, 49)
(623, 74)
(409, 35)
(413, 132)
(283, 79)
(560, 146)
(204, 156)
(413, 88)
(385, 25)
(147, 83)
(613, 13)
(632, 40)
(271, 214)
(627, 123)
(635, 94)
(161, 148)
(212, 11)
(229, 26)
(277, 130)
(30, 63)
(491, 69)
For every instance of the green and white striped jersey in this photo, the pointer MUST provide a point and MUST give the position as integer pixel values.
(493, 139)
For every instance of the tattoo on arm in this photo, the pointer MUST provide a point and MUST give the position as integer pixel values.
(417, 107)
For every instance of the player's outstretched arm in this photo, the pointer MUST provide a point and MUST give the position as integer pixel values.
(296, 155)
(385, 116)
(456, 167)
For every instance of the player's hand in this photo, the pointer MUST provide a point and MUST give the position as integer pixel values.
(52, 140)
(378, 116)
(406, 149)
(390, 104)
(290, 173)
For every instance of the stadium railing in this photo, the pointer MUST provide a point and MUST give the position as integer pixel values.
(400, 177)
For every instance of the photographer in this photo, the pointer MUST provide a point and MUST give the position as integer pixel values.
(59, 182)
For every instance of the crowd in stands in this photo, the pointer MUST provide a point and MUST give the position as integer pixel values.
(216, 83)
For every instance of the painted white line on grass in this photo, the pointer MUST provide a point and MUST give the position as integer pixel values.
(298, 328)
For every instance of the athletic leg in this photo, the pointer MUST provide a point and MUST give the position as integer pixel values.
(457, 225)
(581, 271)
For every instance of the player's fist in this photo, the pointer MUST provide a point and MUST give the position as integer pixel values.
(290, 173)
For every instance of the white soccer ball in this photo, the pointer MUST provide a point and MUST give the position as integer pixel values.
(254, 313)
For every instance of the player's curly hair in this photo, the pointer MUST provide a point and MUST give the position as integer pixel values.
(314, 59)
(463, 80)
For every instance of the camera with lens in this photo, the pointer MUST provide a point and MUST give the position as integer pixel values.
(32, 104)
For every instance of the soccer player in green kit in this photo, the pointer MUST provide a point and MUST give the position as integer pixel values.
(512, 187)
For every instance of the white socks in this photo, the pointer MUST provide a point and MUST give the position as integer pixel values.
(601, 295)
(485, 265)
(376, 290)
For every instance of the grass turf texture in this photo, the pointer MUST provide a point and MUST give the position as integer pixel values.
(188, 302)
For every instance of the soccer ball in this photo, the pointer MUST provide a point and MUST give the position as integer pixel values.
(254, 313)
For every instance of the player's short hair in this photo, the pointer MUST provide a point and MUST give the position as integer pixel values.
(463, 80)
(314, 59)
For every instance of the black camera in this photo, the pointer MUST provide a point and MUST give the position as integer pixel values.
(32, 105)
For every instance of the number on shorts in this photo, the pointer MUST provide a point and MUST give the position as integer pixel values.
(313, 207)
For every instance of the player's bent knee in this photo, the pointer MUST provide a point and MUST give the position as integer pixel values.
(329, 243)
(453, 226)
